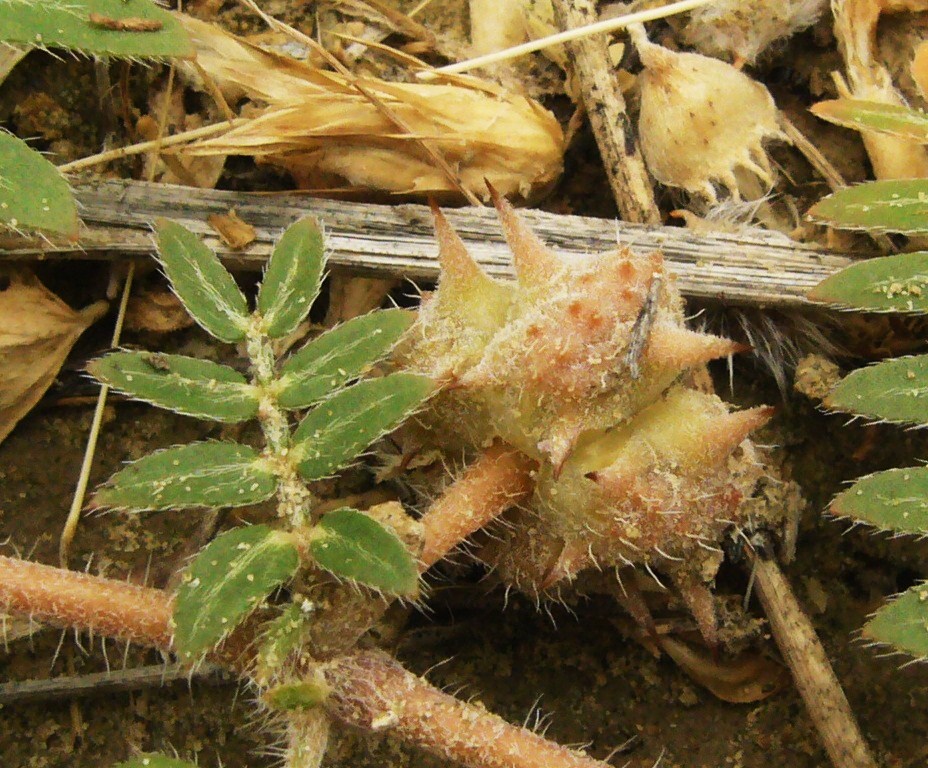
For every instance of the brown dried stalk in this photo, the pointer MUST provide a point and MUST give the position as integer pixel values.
(812, 672)
(605, 105)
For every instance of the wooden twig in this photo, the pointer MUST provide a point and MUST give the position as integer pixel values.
(615, 134)
(752, 267)
(812, 672)
(367, 689)
(100, 683)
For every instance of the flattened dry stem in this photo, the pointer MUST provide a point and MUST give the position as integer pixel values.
(812, 672)
(376, 692)
(364, 685)
(605, 105)
(499, 479)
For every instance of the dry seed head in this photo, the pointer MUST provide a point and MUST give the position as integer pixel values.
(702, 122)
(743, 29)
(323, 129)
(632, 468)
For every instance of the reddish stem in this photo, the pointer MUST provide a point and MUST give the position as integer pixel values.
(376, 692)
(499, 479)
(369, 690)
(74, 599)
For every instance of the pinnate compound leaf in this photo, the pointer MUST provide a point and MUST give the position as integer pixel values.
(201, 282)
(186, 385)
(93, 27)
(895, 205)
(902, 622)
(228, 580)
(33, 193)
(340, 355)
(195, 475)
(291, 281)
(887, 284)
(896, 499)
(873, 116)
(353, 545)
(154, 761)
(341, 427)
(894, 390)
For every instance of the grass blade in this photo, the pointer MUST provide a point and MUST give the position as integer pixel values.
(292, 279)
(186, 385)
(228, 580)
(341, 427)
(195, 475)
(340, 355)
(887, 284)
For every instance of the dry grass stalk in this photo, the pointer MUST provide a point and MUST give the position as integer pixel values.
(327, 131)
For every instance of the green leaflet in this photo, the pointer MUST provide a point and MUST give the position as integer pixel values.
(903, 622)
(896, 205)
(67, 24)
(281, 637)
(291, 281)
(353, 545)
(341, 427)
(195, 475)
(872, 116)
(187, 385)
(228, 580)
(154, 761)
(888, 284)
(307, 694)
(201, 282)
(896, 499)
(33, 194)
(861, 115)
(894, 390)
(340, 355)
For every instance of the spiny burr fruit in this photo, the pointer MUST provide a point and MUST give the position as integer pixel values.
(702, 122)
(587, 367)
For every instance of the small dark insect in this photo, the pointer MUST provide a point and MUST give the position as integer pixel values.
(158, 362)
(129, 24)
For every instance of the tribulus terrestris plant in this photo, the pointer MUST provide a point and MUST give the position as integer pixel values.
(894, 390)
(589, 370)
(233, 576)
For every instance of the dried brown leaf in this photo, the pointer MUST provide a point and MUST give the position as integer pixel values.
(234, 232)
(37, 330)
(747, 678)
(156, 310)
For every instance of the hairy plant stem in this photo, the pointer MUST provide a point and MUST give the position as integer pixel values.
(294, 499)
(368, 689)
